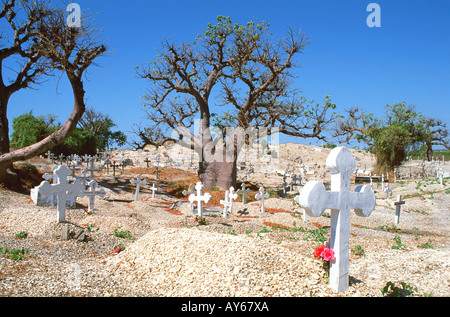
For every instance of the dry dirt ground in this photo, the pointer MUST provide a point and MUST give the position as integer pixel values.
(165, 251)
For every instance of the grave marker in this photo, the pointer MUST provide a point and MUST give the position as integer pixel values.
(243, 191)
(153, 189)
(261, 196)
(62, 188)
(387, 190)
(227, 203)
(92, 193)
(315, 199)
(398, 207)
(199, 198)
(190, 192)
(138, 183)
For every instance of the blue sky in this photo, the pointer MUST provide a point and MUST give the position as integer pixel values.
(406, 59)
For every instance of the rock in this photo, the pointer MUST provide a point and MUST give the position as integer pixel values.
(65, 233)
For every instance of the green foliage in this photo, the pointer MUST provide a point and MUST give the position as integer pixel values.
(399, 245)
(399, 130)
(80, 142)
(22, 235)
(15, 254)
(391, 290)
(122, 234)
(358, 250)
(28, 130)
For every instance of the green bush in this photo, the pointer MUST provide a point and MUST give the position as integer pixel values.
(28, 130)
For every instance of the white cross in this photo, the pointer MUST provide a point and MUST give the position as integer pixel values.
(230, 196)
(190, 192)
(199, 198)
(441, 176)
(62, 188)
(243, 191)
(261, 196)
(92, 193)
(387, 190)
(153, 189)
(398, 207)
(138, 183)
(92, 168)
(54, 177)
(314, 198)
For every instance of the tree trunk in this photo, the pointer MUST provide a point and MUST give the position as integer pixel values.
(218, 169)
(429, 152)
(222, 175)
(7, 157)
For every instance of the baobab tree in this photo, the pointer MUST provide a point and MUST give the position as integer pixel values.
(248, 72)
(40, 39)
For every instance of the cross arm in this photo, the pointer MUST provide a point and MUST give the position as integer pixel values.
(315, 199)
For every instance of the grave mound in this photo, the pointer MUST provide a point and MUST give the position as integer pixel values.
(190, 262)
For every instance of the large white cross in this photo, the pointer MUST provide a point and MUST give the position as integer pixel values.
(315, 199)
(138, 183)
(199, 198)
(92, 193)
(243, 191)
(62, 188)
(261, 195)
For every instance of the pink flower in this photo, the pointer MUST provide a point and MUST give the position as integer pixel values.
(117, 250)
(328, 254)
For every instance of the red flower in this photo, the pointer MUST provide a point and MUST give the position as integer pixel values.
(318, 252)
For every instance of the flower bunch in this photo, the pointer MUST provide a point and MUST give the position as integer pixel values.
(324, 253)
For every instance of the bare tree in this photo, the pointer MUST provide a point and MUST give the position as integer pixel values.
(251, 72)
(46, 44)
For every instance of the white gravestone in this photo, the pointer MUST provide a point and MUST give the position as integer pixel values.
(243, 191)
(62, 189)
(199, 198)
(315, 199)
(153, 189)
(92, 193)
(227, 203)
(261, 196)
(398, 205)
(387, 190)
(138, 183)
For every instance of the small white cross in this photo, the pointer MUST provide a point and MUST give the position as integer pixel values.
(92, 193)
(153, 189)
(138, 183)
(227, 203)
(190, 192)
(243, 191)
(261, 196)
(387, 190)
(200, 198)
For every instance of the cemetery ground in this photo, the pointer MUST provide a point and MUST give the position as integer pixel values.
(158, 247)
